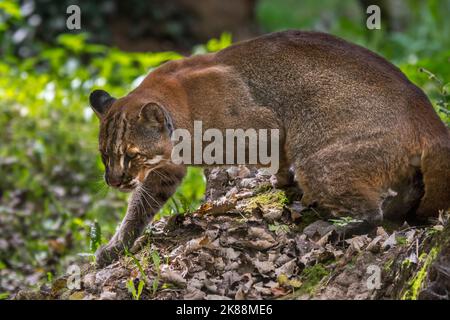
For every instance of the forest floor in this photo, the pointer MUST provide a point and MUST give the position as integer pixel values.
(250, 241)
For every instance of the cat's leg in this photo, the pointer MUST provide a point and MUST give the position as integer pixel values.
(285, 176)
(144, 203)
(341, 182)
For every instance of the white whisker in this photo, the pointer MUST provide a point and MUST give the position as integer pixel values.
(147, 192)
(144, 193)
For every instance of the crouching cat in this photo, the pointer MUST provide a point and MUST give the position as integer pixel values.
(363, 140)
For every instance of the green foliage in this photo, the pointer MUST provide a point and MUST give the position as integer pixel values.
(311, 276)
(4, 295)
(344, 221)
(29, 23)
(421, 44)
(308, 14)
(136, 293)
(401, 240)
(423, 24)
(214, 45)
(53, 201)
(52, 190)
(443, 100)
(49, 277)
(284, 280)
(279, 227)
(186, 198)
(10, 9)
(156, 263)
(415, 284)
(275, 199)
(95, 236)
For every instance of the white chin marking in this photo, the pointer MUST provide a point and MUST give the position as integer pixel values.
(135, 182)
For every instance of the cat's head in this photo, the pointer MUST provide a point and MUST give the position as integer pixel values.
(134, 138)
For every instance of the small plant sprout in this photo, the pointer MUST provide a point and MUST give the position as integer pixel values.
(136, 293)
(443, 102)
(95, 236)
(156, 263)
(344, 221)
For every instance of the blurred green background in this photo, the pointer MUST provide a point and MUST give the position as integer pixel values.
(52, 195)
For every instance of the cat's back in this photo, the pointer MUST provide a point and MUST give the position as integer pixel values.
(312, 50)
(303, 70)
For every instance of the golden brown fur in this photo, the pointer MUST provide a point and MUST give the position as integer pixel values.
(363, 139)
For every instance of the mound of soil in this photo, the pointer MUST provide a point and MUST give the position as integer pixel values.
(250, 241)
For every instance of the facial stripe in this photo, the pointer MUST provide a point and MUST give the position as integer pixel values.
(126, 162)
(109, 131)
(122, 123)
(122, 161)
(113, 135)
(154, 160)
(117, 133)
(113, 140)
(104, 140)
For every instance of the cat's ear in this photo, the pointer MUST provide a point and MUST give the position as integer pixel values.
(100, 101)
(155, 116)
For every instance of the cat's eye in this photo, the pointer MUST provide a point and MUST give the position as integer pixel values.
(131, 154)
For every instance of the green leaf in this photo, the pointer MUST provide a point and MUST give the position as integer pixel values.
(4, 295)
(156, 259)
(140, 288)
(95, 236)
(11, 8)
(73, 42)
(131, 288)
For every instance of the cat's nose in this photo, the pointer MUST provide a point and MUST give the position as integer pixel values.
(114, 181)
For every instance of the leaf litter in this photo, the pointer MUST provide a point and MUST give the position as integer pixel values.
(248, 241)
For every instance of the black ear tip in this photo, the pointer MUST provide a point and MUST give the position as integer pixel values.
(97, 96)
(100, 100)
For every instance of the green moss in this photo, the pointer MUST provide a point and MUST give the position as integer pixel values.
(311, 276)
(388, 265)
(283, 280)
(275, 199)
(264, 187)
(306, 283)
(415, 284)
(406, 263)
(432, 232)
(401, 240)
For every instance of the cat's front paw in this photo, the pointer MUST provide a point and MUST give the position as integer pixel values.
(283, 180)
(109, 253)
